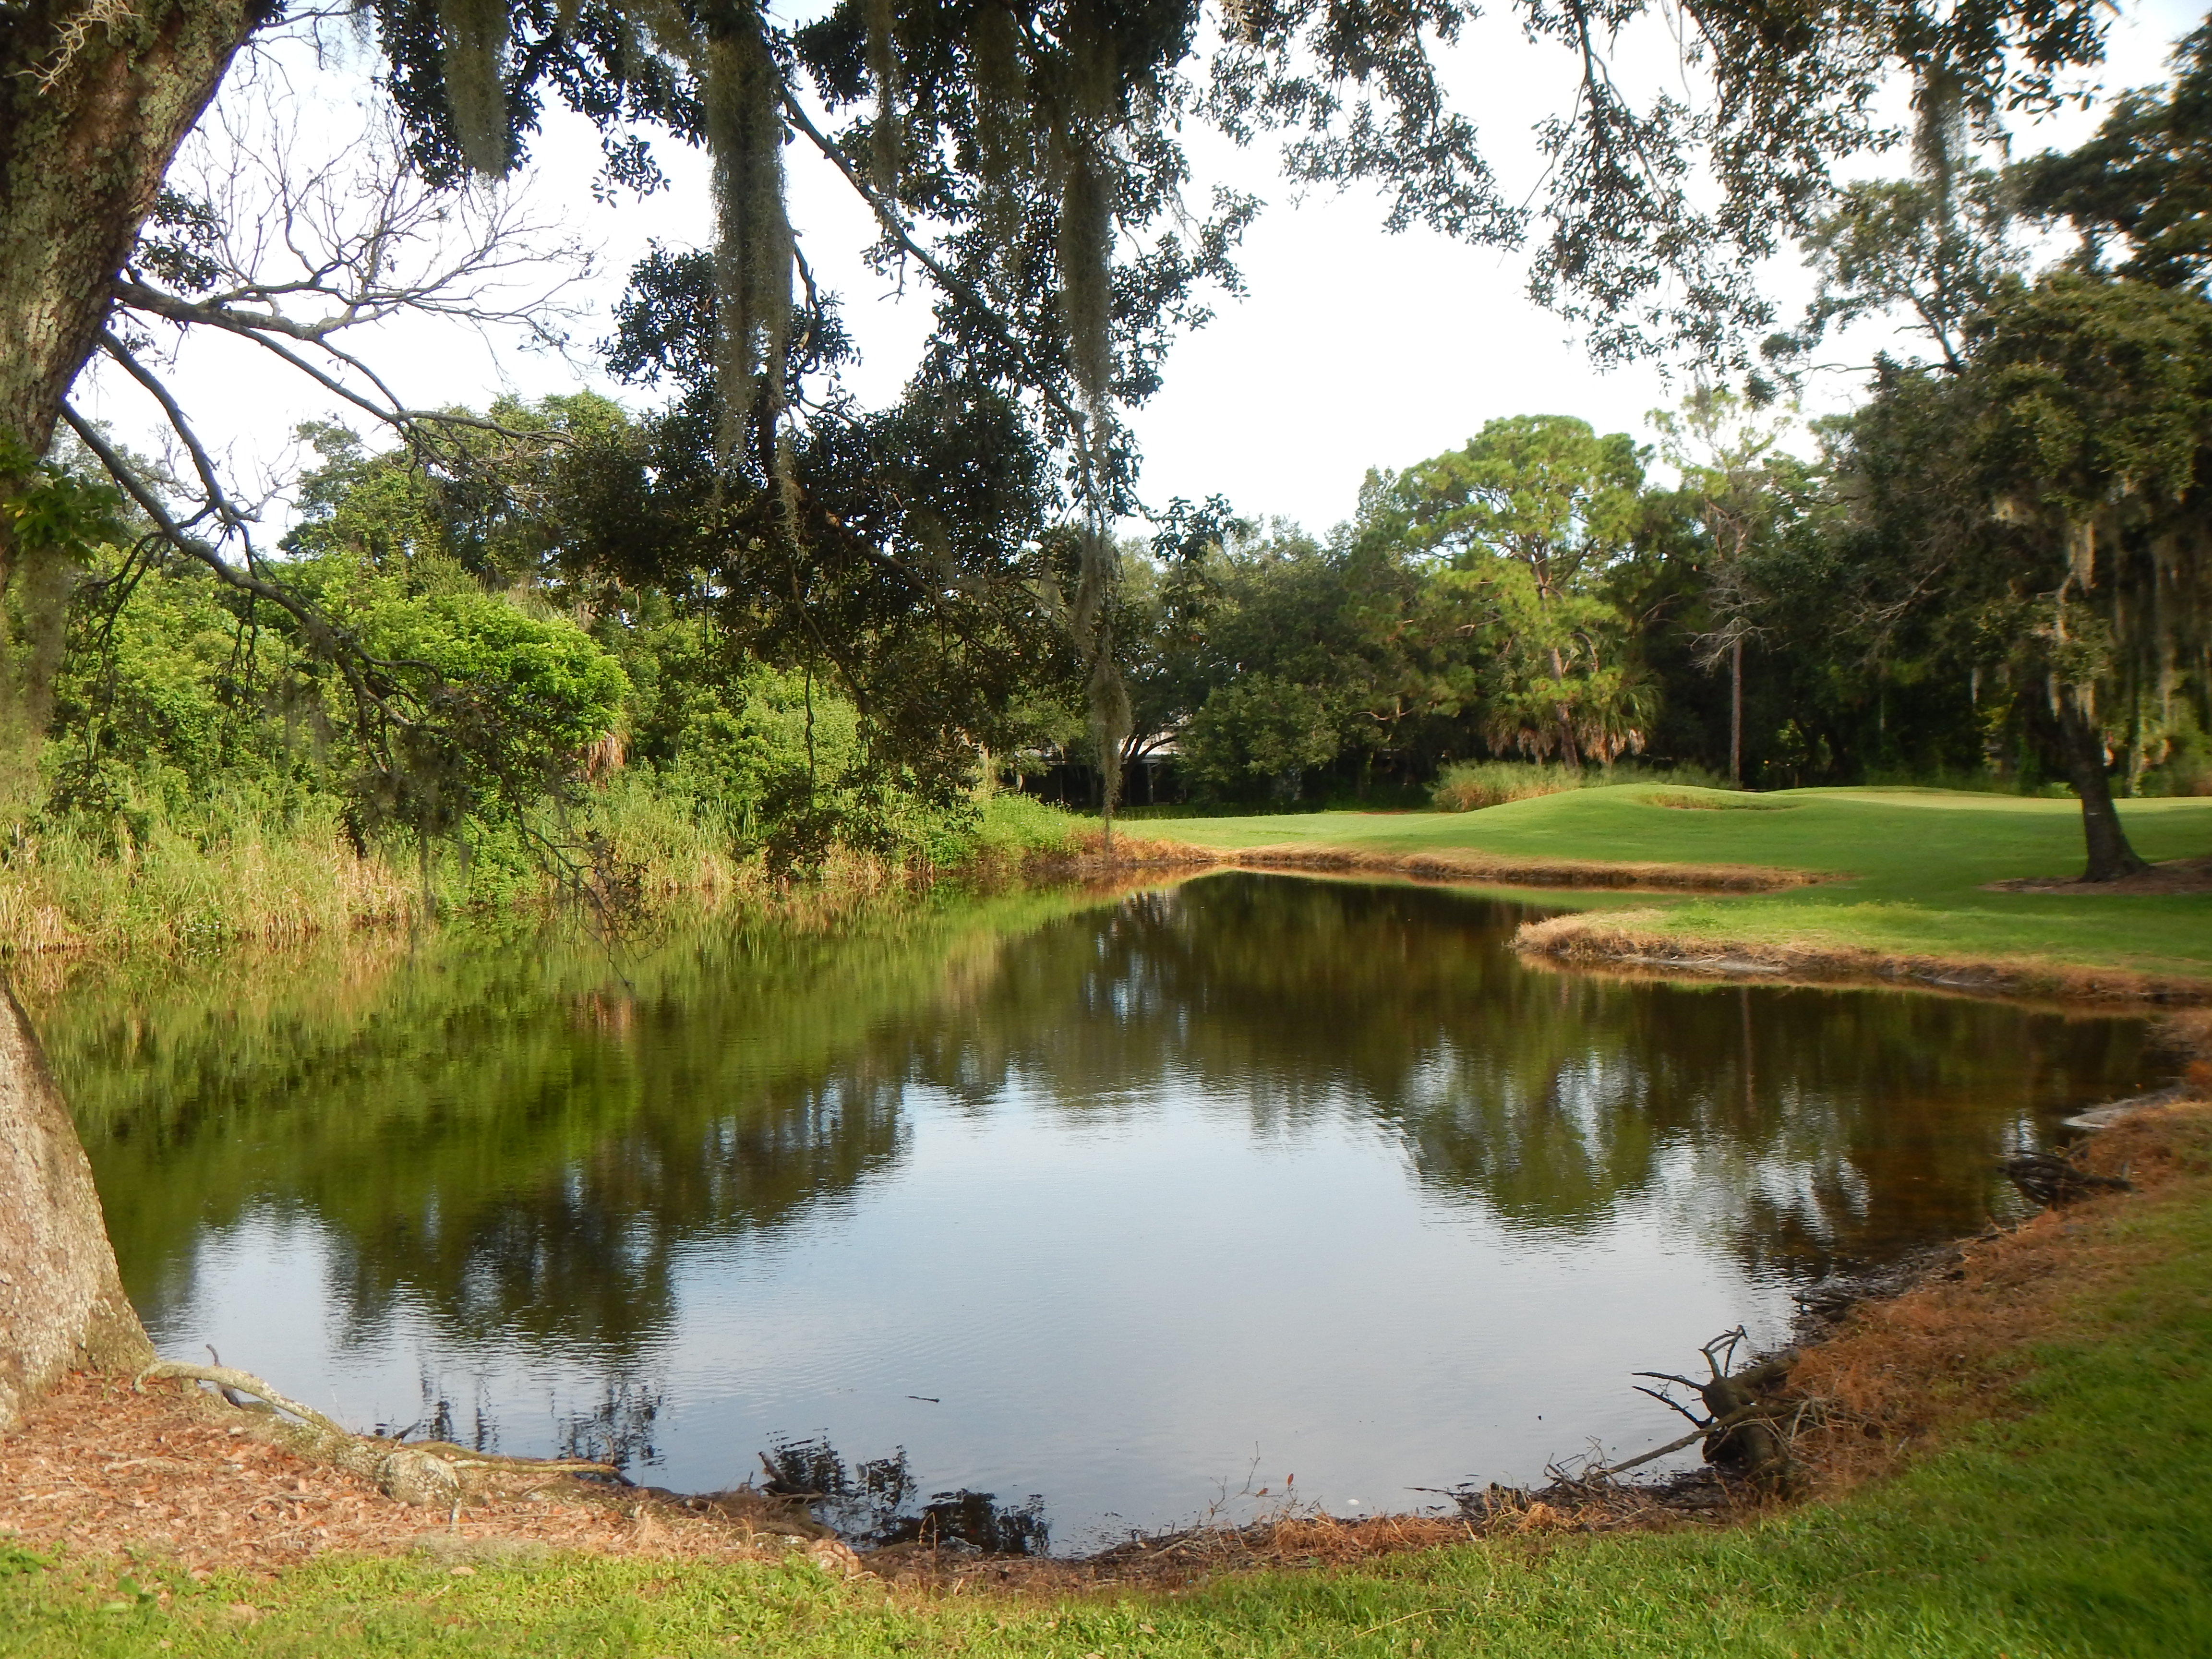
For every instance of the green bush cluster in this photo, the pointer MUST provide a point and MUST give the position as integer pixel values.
(453, 716)
(1469, 786)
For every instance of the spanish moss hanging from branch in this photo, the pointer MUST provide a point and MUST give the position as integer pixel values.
(1095, 83)
(1085, 179)
(1106, 698)
(472, 41)
(1938, 138)
(742, 92)
(883, 69)
(1000, 87)
(999, 90)
(1086, 250)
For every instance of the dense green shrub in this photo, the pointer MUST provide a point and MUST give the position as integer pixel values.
(1472, 785)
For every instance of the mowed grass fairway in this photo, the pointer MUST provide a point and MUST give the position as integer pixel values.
(1912, 865)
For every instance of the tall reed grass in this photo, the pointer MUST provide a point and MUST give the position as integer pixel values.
(60, 889)
(282, 878)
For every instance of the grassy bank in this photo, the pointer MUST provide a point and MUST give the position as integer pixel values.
(2056, 1498)
(1906, 870)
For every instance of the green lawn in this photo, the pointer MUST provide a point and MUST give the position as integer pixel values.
(1915, 860)
(2082, 1528)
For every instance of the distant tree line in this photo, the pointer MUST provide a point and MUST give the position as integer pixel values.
(1994, 573)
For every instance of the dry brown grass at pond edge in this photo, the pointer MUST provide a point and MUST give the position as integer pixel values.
(1625, 942)
(1492, 869)
(1899, 1373)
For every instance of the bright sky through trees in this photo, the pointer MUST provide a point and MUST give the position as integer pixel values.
(1353, 348)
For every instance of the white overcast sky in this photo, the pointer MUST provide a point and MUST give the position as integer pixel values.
(1353, 348)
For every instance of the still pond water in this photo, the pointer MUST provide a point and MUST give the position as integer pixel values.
(1118, 1208)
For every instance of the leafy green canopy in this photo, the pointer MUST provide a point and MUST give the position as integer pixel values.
(2142, 186)
(175, 704)
(1479, 604)
(1938, 248)
(2026, 516)
(1532, 514)
(1034, 137)
(2050, 505)
(565, 713)
(1028, 160)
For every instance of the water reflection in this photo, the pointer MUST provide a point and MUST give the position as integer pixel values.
(878, 1502)
(1797, 1126)
(490, 1150)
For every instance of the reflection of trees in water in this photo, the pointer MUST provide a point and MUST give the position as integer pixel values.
(618, 1429)
(1792, 1126)
(521, 1143)
(877, 1503)
(583, 1254)
(512, 1141)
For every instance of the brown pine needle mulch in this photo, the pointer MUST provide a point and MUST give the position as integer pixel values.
(1898, 1371)
(100, 1469)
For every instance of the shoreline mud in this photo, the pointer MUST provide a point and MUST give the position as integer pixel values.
(1614, 943)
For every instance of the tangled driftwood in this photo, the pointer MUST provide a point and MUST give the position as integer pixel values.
(2053, 1181)
(435, 1474)
(1743, 1424)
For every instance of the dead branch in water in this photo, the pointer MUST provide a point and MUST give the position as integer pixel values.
(1742, 1413)
(2051, 1181)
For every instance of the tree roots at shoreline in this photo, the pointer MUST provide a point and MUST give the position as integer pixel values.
(434, 1474)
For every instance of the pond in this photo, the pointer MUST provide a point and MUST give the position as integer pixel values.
(1118, 1208)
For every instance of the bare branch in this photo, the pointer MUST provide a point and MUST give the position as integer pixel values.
(272, 336)
(374, 682)
(292, 255)
(359, 237)
(218, 500)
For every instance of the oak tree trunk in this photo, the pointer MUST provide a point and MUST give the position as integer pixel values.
(95, 99)
(93, 102)
(60, 1301)
(2110, 855)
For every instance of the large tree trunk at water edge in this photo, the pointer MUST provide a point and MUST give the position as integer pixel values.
(2110, 855)
(60, 1301)
(95, 99)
